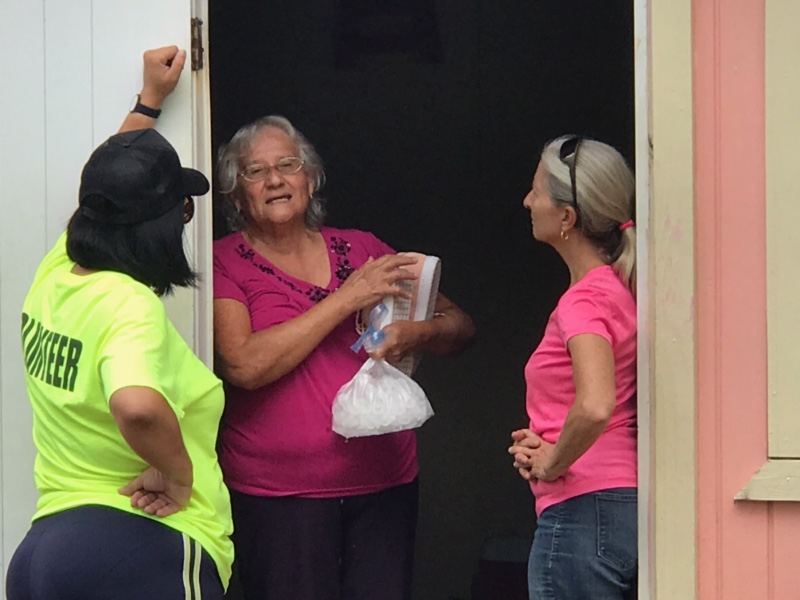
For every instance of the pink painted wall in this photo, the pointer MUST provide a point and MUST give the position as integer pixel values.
(746, 550)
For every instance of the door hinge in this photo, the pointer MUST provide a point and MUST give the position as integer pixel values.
(197, 44)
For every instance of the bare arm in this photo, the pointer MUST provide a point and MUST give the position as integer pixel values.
(253, 359)
(595, 400)
(151, 429)
(449, 331)
(162, 70)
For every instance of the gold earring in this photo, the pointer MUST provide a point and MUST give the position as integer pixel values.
(564, 235)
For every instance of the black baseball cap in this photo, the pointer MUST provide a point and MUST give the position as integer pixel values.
(134, 177)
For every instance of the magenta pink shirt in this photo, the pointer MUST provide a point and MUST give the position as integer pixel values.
(277, 440)
(600, 304)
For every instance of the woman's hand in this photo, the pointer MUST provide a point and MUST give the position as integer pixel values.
(400, 339)
(162, 70)
(532, 456)
(157, 495)
(376, 279)
(447, 332)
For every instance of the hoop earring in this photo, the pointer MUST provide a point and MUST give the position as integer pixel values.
(564, 235)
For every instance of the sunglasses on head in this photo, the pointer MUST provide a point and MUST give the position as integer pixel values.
(570, 147)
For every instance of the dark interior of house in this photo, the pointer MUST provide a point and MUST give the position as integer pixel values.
(429, 116)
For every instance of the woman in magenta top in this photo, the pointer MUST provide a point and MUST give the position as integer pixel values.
(315, 516)
(579, 453)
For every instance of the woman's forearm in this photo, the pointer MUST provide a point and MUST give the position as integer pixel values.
(595, 400)
(151, 429)
(253, 359)
(582, 429)
(450, 330)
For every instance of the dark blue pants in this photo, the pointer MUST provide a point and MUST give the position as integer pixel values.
(350, 548)
(585, 548)
(100, 553)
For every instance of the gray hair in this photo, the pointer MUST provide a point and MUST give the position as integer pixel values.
(605, 190)
(234, 152)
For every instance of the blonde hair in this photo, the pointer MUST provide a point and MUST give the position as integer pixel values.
(605, 199)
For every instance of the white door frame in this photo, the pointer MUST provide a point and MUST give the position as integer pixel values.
(642, 150)
(666, 273)
(666, 380)
(203, 224)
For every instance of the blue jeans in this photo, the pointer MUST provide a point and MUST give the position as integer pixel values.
(585, 548)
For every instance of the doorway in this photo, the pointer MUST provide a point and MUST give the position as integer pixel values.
(434, 151)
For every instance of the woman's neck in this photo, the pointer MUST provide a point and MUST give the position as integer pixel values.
(580, 257)
(300, 253)
(282, 239)
(79, 270)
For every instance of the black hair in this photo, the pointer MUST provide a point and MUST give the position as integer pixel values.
(151, 252)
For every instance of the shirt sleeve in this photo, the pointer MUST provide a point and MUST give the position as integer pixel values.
(585, 311)
(135, 350)
(225, 286)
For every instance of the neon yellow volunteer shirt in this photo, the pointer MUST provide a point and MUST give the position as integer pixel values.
(83, 338)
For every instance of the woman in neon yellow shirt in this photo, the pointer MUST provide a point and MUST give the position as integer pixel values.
(132, 503)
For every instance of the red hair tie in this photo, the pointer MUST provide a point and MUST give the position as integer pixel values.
(626, 225)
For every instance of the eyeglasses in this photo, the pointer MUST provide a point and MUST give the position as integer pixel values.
(188, 209)
(285, 166)
(570, 147)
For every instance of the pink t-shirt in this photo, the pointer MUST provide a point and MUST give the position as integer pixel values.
(600, 304)
(277, 440)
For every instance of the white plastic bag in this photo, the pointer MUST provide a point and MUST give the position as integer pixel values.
(379, 399)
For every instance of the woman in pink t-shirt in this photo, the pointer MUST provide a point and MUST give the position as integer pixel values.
(579, 453)
(316, 516)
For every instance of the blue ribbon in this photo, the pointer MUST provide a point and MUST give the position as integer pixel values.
(373, 336)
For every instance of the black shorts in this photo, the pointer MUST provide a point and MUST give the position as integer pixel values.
(101, 553)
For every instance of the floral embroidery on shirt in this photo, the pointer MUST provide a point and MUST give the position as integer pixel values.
(341, 248)
(342, 270)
